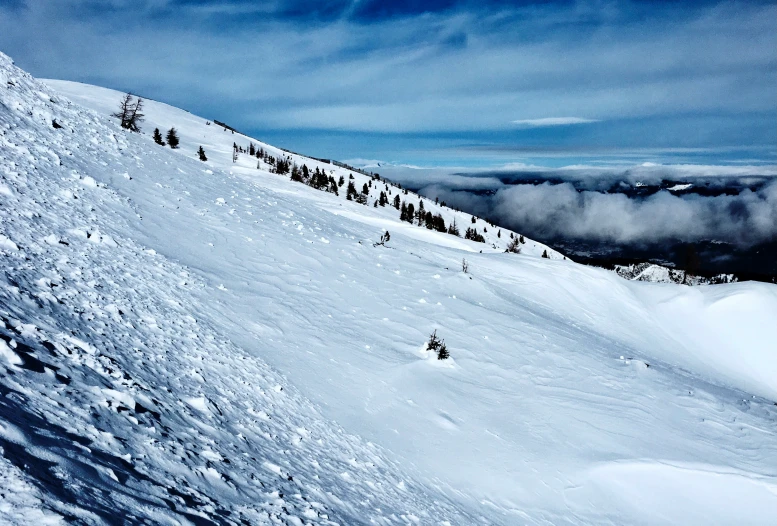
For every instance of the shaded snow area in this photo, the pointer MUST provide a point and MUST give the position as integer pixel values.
(187, 342)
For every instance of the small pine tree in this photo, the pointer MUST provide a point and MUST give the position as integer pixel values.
(434, 342)
(437, 345)
(341, 181)
(545, 254)
(396, 201)
(522, 240)
(158, 137)
(442, 352)
(172, 138)
(251, 149)
(453, 229)
(474, 220)
(201, 154)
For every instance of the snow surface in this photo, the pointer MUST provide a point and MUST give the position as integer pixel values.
(210, 342)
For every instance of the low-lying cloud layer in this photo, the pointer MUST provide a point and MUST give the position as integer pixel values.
(565, 211)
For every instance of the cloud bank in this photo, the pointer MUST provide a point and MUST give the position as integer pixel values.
(564, 211)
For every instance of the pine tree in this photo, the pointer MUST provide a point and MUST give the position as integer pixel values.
(545, 254)
(158, 137)
(442, 352)
(172, 138)
(436, 345)
(396, 201)
(341, 181)
(124, 109)
(403, 212)
(474, 235)
(135, 117)
(201, 154)
(295, 174)
(130, 113)
(428, 220)
(251, 149)
(453, 229)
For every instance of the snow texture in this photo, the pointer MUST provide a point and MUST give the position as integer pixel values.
(188, 342)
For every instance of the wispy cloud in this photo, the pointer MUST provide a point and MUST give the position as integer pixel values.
(554, 121)
(649, 71)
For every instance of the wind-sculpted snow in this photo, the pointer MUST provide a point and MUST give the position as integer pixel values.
(179, 339)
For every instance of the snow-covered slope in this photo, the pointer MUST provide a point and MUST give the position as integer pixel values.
(188, 341)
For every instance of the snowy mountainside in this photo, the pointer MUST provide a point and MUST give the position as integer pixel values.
(118, 398)
(218, 142)
(179, 338)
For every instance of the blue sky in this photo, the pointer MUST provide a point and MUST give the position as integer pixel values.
(435, 83)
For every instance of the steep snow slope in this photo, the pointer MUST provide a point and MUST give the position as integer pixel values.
(573, 396)
(120, 401)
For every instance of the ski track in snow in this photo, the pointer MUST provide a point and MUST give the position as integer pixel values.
(179, 338)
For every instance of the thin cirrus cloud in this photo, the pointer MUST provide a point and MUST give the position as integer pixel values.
(554, 121)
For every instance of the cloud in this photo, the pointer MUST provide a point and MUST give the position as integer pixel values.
(582, 206)
(445, 66)
(554, 121)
